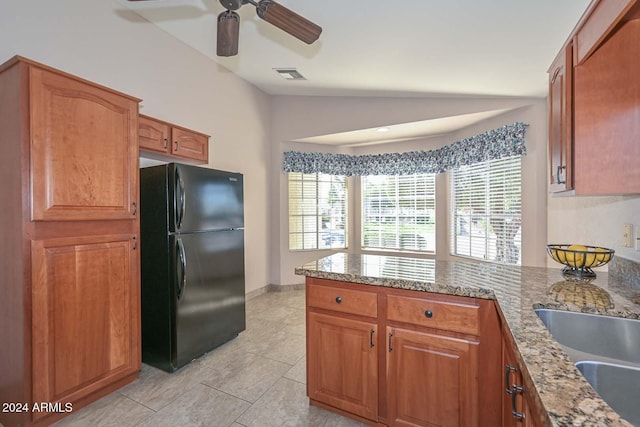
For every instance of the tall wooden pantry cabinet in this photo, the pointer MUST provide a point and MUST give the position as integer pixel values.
(70, 291)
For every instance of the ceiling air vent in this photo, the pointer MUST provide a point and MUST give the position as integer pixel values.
(289, 74)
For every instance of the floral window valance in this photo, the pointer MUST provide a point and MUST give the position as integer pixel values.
(506, 141)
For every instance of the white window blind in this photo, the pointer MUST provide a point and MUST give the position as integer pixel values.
(317, 211)
(486, 210)
(398, 212)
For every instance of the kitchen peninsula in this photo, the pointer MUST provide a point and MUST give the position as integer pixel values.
(445, 318)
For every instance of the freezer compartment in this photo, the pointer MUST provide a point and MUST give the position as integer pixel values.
(202, 199)
(208, 291)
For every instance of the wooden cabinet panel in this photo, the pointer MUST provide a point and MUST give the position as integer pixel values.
(601, 20)
(432, 313)
(561, 122)
(342, 364)
(517, 407)
(70, 186)
(171, 142)
(84, 161)
(432, 380)
(153, 135)
(189, 144)
(607, 117)
(85, 315)
(343, 300)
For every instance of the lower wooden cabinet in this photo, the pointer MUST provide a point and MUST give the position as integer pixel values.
(517, 407)
(407, 359)
(85, 316)
(431, 379)
(343, 364)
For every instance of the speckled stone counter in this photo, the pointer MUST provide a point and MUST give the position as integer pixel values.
(561, 392)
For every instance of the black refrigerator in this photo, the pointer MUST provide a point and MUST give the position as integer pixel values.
(192, 262)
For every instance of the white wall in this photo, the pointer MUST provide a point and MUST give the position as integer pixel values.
(300, 117)
(595, 221)
(102, 41)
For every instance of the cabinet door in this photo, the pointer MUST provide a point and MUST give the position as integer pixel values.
(85, 315)
(607, 116)
(153, 135)
(342, 364)
(190, 145)
(432, 379)
(84, 150)
(516, 408)
(561, 122)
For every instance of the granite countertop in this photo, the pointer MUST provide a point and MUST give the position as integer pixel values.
(560, 390)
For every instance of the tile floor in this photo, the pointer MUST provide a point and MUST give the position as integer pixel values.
(257, 379)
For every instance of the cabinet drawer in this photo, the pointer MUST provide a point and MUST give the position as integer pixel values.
(450, 316)
(343, 300)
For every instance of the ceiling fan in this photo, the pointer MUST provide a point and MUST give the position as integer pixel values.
(272, 12)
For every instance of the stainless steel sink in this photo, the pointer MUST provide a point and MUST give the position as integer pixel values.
(619, 386)
(614, 339)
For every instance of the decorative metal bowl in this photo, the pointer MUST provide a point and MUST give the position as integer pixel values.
(580, 259)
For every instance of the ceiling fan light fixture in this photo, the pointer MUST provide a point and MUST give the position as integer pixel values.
(228, 33)
(288, 21)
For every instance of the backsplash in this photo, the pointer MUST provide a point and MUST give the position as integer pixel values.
(626, 270)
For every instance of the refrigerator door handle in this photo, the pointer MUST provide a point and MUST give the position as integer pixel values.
(180, 202)
(181, 270)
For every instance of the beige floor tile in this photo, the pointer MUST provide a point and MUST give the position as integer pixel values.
(243, 375)
(200, 406)
(114, 410)
(298, 372)
(335, 420)
(156, 389)
(284, 405)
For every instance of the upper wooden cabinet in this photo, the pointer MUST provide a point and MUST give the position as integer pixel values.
(69, 263)
(607, 116)
(594, 95)
(84, 163)
(561, 121)
(169, 141)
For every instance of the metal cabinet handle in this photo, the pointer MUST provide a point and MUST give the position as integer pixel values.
(390, 347)
(371, 332)
(338, 300)
(507, 377)
(135, 208)
(560, 175)
(516, 389)
(428, 314)
(175, 143)
(135, 243)
(166, 142)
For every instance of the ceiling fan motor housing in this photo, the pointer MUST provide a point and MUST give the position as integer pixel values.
(228, 33)
(232, 4)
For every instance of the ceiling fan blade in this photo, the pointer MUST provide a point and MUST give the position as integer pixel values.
(288, 21)
(228, 33)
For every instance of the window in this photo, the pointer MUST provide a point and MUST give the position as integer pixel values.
(398, 212)
(486, 210)
(317, 211)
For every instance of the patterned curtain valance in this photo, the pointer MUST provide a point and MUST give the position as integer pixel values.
(506, 141)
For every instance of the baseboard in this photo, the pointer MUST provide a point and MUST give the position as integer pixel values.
(274, 288)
